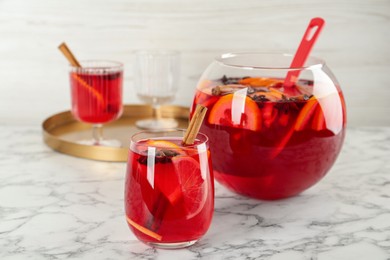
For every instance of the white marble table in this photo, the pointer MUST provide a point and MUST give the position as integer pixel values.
(54, 206)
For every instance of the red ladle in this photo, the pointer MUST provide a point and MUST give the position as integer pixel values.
(309, 38)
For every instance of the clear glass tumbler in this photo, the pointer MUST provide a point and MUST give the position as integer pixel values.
(169, 190)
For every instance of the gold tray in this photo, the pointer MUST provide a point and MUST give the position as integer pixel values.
(61, 132)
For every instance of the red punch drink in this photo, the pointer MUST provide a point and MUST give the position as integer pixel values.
(169, 192)
(96, 94)
(269, 141)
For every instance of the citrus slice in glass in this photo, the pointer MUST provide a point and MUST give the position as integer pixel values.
(255, 82)
(306, 114)
(192, 189)
(162, 144)
(318, 122)
(91, 90)
(300, 124)
(236, 111)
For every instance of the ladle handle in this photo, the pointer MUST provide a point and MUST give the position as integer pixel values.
(309, 38)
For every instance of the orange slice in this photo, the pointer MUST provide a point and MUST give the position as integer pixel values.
(223, 113)
(301, 122)
(192, 187)
(96, 94)
(272, 96)
(257, 82)
(143, 229)
(162, 144)
(305, 114)
(318, 122)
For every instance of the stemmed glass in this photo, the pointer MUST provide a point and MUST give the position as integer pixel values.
(96, 90)
(156, 76)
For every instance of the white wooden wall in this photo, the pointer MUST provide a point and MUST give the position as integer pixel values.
(33, 74)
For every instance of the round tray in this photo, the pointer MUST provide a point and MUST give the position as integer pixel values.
(61, 132)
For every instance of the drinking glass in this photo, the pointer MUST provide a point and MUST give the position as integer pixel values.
(169, 189)
(156, 75)
(271, 140)
(96, 93)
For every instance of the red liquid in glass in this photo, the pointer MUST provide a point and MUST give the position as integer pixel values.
(96, 98)
(280, 146)
(171, 198)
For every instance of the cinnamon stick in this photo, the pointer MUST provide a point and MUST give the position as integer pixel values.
(69, 55)
(194, 126)
(159, 208)
(73, 61)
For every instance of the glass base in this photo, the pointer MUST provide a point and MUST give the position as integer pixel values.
(157, 124)
(104, 142)
(172, 245)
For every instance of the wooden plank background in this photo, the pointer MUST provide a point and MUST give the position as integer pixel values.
(34, 83)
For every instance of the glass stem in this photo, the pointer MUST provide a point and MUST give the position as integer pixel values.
(97, 134)
(156, 111)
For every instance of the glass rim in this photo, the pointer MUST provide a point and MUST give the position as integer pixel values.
(111, 64)
(318, 62)
(132, 138)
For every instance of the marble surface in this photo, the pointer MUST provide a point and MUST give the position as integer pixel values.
(54, 206)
